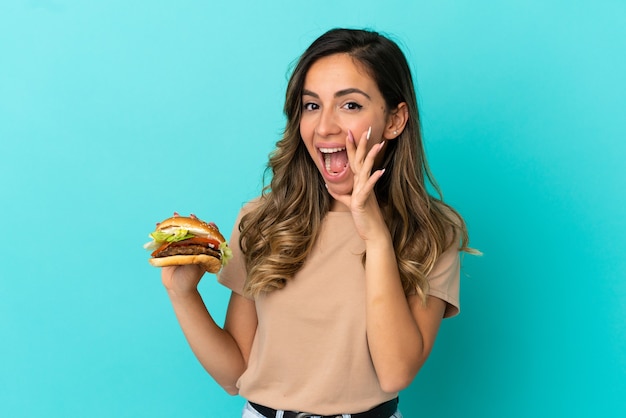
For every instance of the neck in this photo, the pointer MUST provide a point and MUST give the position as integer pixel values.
(336, 206)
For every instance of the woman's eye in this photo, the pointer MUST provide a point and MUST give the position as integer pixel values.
(310, 106)
(352, 106)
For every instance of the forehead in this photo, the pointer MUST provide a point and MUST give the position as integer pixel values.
(338, 70)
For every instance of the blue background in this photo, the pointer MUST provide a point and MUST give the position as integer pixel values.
(114, 114)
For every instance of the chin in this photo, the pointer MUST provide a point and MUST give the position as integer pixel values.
(340, 189)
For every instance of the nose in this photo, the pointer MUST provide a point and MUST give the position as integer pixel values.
(327, 123)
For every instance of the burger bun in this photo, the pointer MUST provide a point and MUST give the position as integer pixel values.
(209, 263)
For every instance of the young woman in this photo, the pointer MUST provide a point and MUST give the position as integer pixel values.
(344, 267)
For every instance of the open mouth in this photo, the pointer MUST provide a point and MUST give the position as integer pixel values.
(335, 160)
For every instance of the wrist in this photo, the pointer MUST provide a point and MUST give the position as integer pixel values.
(181, 295)
(380, 242)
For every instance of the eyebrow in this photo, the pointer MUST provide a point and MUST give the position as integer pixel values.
(340, 93)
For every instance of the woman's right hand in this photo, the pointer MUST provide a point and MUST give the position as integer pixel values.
(181, 280)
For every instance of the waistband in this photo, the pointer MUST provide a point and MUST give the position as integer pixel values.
(384, 410)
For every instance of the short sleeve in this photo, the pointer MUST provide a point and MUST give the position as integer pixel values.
(233, 274)
(445, 280)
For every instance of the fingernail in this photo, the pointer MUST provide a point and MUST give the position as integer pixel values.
(350, 136)
(369, 132)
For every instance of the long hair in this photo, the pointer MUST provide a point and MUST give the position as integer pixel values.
(278, 233)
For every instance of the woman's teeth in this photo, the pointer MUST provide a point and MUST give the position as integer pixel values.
(331, 150)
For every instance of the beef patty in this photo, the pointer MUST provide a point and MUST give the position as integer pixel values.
(188, 250)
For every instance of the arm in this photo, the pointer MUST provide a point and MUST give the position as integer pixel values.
(400, 332)
(223, 352)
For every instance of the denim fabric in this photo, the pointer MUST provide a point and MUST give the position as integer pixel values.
(250, 412)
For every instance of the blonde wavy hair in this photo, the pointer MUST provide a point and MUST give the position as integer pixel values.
(278, 233)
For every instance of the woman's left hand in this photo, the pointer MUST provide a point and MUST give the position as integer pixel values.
(362, 201)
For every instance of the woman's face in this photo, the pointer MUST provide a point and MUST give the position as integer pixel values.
(339, 96)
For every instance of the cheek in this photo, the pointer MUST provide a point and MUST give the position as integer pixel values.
(305, 129)
(375, 136)
(306, 135)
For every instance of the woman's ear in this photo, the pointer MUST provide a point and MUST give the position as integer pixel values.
(396, 121)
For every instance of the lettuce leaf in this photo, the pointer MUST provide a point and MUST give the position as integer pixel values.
(227, 253)
(179, 235)
(160, 237)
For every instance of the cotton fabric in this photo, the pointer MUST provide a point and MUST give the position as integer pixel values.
(310, 351)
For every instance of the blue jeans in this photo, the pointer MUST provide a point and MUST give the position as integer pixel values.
(250, 412)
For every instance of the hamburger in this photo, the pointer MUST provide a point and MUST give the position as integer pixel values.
(182, 240)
